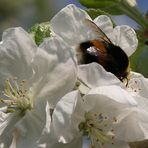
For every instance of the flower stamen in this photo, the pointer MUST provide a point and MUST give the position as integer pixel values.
(16, 97)
(134, 86)
(94, 127)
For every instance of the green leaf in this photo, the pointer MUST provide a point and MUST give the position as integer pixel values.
(141, 46)
(93, 13)
(142, 62)
(113, 10)
(40, 31)
(96, 12)
(98, 3)
(134, 58)
(108, 6)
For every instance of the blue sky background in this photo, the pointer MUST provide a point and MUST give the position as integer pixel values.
(143, 5)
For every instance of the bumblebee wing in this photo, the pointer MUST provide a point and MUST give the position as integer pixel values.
(100, 34)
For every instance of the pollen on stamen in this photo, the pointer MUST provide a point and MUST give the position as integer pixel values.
(115, 119)
(105, 117)
(16, 96)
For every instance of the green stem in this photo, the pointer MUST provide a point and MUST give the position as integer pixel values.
(133, 13)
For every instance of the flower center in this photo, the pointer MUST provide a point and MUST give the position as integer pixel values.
(134, 86)
(97, 128)
(16, 97)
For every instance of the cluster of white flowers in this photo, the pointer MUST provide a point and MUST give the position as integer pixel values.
(49, 101)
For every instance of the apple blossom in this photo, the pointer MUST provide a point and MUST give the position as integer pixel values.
(107, 115)
(31, 76)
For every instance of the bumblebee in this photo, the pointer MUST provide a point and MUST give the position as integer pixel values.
(104, 52)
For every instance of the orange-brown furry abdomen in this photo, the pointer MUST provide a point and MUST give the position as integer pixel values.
(101, 51)
(98, 44)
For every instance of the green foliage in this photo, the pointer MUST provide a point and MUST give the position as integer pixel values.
(142, 62)
(98, 3)
(95, 12)
(39, 32)
(107, 6)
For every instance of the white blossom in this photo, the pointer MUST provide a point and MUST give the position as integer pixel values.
(108, 116)
(31, 77)
(132, 3)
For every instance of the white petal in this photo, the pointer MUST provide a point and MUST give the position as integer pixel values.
(55, 70)
(46, 130)
(48, 119)
(132, 3)
(132, 122)
(105, 24)
(69, 24)
(114, 93)
(94, 75)
(52, 143)
(141, 115)
(13, 144)
(7, 125)
(117, 144)
(132, 125)
(64, 127)
(16, 53)
(109, 100)
(140, 84)
(30, 127)
(125, 37)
